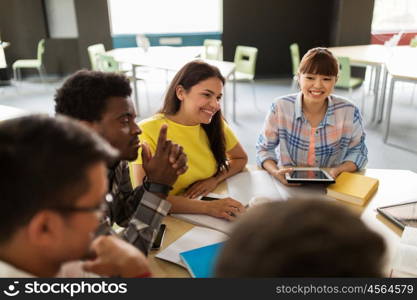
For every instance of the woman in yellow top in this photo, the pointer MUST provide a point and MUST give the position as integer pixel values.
(192, 112)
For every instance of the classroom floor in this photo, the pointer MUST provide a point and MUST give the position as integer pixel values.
(33, 96)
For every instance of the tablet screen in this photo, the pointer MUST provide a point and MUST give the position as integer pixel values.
(297, 174)
(402, 214)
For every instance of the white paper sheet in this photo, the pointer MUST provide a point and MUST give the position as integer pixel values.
(207, 221)
(405, 259)
(246, 186)
(195, 238)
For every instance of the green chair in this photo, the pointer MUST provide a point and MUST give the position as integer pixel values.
(245, 64)
(30, 63)
(93, 51)
(213, 49)
(295, 60)
(345, 80)
(107, 63)
(413, 42)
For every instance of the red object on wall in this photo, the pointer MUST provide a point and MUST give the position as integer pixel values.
(381, 38)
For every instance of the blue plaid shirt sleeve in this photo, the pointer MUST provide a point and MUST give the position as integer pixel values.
(268, 139)
(357, 151)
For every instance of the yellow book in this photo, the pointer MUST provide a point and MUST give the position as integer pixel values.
(353, 188)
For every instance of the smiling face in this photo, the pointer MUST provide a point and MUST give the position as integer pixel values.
(201, 101)
(316, 87)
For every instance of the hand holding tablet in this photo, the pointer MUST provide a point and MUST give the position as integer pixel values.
(309, 175)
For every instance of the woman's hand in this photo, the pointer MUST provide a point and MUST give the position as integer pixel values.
(201, 188)
(347, 166)
(226, 208)
(280, 175)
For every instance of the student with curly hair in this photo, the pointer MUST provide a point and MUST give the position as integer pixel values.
(102, 102)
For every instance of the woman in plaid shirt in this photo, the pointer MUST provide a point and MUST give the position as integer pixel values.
(313, 127)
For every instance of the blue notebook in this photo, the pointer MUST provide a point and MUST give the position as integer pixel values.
(200, 262)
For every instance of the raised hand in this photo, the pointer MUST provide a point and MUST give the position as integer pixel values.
(168, 162)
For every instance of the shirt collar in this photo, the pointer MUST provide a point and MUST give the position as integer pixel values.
(9, 271)
(328, 119)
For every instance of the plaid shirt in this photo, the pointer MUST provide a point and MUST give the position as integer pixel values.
(286, 135)
(139, 211)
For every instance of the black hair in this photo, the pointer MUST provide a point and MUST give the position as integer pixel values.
(191, 74)
(301, 238)
(84, 95)
(44, 164)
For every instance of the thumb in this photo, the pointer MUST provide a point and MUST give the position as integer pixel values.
(90, 265)
(146, 154)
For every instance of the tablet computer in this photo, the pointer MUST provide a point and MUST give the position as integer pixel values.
(309, 175)
(404, 214)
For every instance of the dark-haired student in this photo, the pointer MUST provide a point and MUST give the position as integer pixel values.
(192, 113)
(102, 102)
(313, 128)
(301, 238)
(52, 202)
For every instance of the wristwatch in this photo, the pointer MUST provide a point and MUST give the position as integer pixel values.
(154, 187)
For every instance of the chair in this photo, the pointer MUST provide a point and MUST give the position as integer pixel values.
(295, 60)
(107, 63)
(245, 61)
(413, 42)
(213, 49)
(93, 51)
(345, 80)
(31, 63)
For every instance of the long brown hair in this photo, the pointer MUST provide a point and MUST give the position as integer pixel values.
(189, 75)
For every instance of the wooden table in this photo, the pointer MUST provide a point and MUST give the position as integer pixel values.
(395, 186)
(169, 59)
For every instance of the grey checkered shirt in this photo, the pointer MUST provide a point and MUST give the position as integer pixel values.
(139, 211)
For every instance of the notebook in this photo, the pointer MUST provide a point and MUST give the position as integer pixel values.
(405, 259)
(195, 238)
(200, 262)
(353, 188)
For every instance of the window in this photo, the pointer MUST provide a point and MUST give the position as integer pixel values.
(394, 16)
(162, 16)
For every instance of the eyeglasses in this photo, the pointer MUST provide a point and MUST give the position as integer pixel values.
(99, 209)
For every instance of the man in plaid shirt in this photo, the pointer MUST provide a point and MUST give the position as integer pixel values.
(102, 102)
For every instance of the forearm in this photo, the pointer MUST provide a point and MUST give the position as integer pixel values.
(270, 166)
(145, 222)
(347, 166)
(182, 204)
